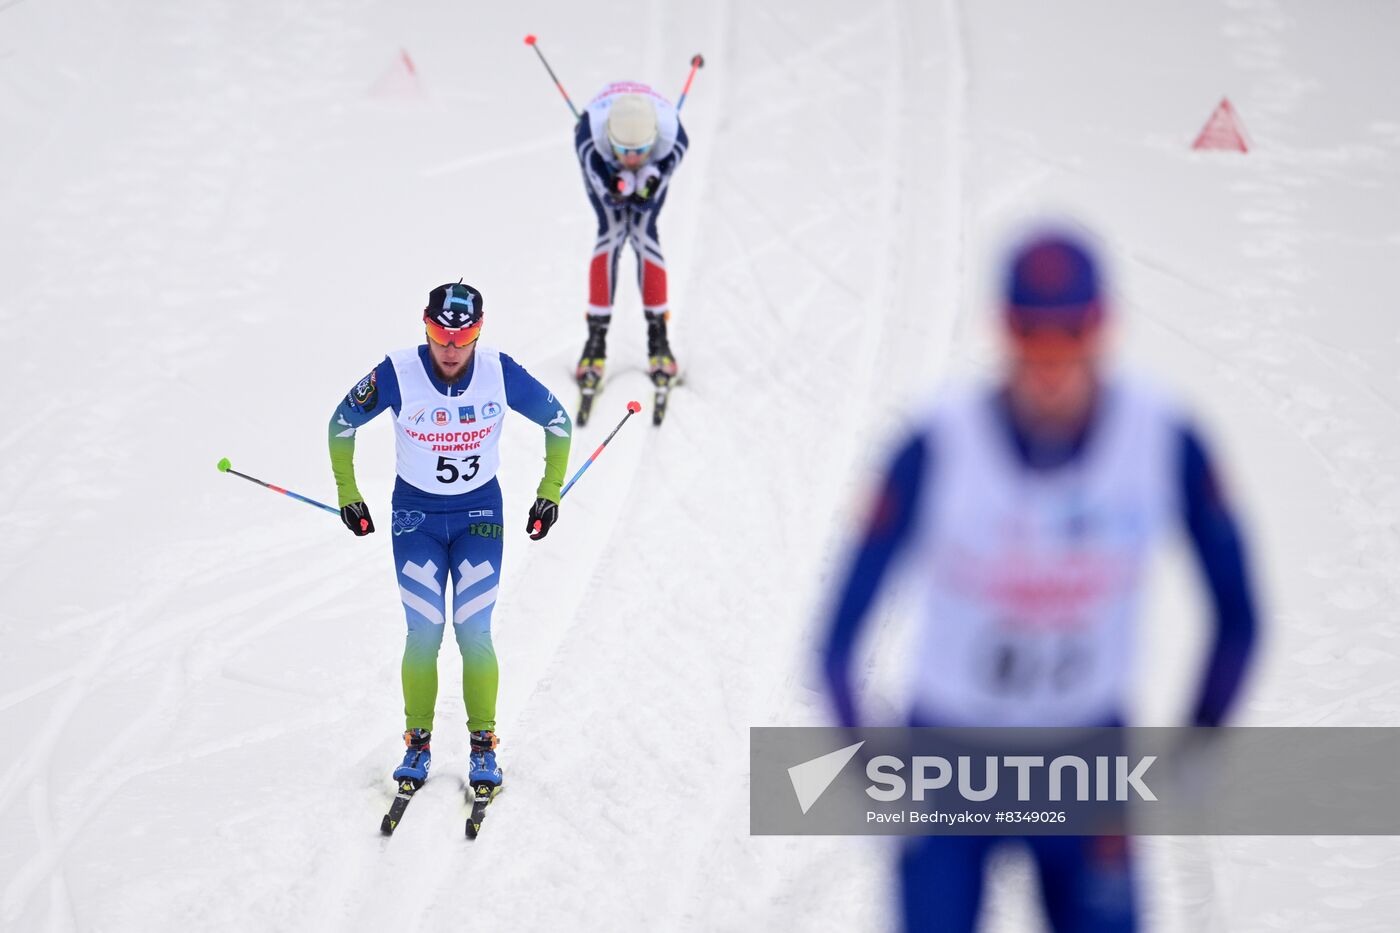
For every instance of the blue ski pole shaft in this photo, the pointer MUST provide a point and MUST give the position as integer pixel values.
(632, 409)
(533, 43)
(224, 467)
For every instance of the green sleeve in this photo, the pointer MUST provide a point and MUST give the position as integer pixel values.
(556, 457)
(370, 396)
(526, 395)
(342, 443)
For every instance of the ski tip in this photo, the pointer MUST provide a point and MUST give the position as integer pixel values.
(633, 407)
(223, 465)
(530, 39)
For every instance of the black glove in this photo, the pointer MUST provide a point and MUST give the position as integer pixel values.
(612, 184)
(543, 515)
(356, 518)
(645, 192)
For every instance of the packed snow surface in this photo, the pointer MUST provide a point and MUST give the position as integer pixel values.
(217, 216)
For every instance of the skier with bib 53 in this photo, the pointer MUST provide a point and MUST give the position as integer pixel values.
(449, 397)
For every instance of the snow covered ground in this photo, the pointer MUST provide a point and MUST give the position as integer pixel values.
(217, 216)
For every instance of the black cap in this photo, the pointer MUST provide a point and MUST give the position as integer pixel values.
(454, 306)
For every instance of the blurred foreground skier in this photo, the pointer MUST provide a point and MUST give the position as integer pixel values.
(629, 142)
(1027, 510)
(449, 397)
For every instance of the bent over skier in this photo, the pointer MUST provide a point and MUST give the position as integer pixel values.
(629, 142)
(449, 397)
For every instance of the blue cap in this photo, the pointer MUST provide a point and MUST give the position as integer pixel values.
(1052, 278)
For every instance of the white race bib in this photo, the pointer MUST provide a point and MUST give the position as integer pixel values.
(449, 444)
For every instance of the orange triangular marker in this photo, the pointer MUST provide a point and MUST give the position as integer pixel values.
(400, 79)
(1222, 130)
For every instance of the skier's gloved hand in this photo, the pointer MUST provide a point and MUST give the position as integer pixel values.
(543, 515)
(618, 184)
(607, 177)
(648, 181)
(624, 186)
(356, 518)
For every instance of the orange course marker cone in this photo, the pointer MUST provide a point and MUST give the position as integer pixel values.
(1223, 131)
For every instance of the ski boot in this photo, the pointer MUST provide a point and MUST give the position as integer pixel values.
(485, 779)
(661, 365)
(589, 373)
(483, 759)
(417, 758)
(410, 775)
(659, 358)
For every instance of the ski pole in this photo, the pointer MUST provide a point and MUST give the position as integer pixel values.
(224, 467)
(696, 64)
(632, 409)
(533, 43)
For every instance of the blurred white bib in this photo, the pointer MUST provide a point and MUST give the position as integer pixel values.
(1031, 579)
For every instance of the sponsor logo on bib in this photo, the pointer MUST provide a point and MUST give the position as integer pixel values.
(490, 410)
(441, 416)
(466, 414)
